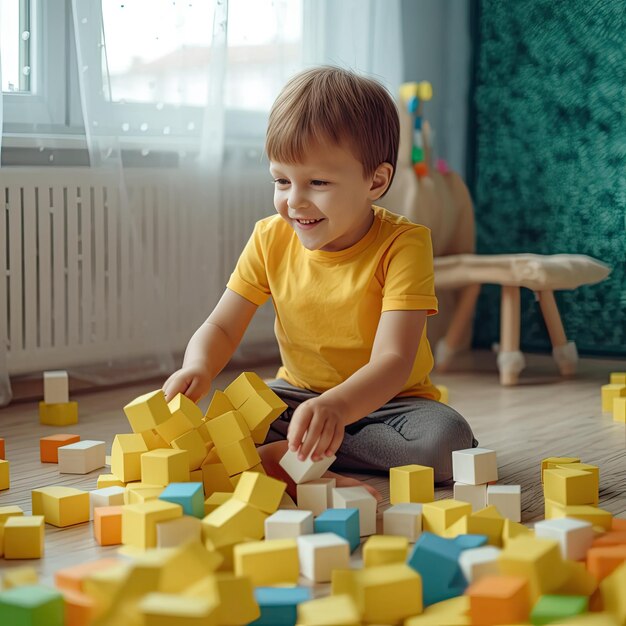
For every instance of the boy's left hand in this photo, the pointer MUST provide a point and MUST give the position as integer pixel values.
(316, 429)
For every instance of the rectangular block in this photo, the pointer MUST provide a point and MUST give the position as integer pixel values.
(570, 487)
(474, 466)
(147, 411)
(49, 446)
(82, 457)
(5, 475)
(239, 456)
(361, 499)
(307, 470)
(60, 414)
(268, 562)
(107, 525)
(164, 466)
(404, 519)
(24, 537)
(56, 387)
(609, 393)
(476, 495)
(139, 522)
(315, 495)
(411, 483)
(126, 454)
(61, 506)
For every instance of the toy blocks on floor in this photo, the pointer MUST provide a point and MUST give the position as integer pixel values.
(384, 550)
(32, 605)
(554, 462)
(403, 519)
(5, 474)
(609, 393)
(190, 496)
(193, 443)
(499, 600)
(107, 525)
(109, 480)
(289, 524)
(137, 493)
(5, 513)
(162, 609)
(338, 610)
(228, 428)
(126, 454)
(56, 387)
(570, 487)
(507, 499)
(182, 405)
(260, 491)
(315, 495)
(176, 532)
(239, 456)
(107, 496)
(619, 410)
(476, 495)
(358, 498)
(342, 522)
(474, 466)
(61, 506)
(319, 554)
(307, 470)
(411, 483)
(139, 521)
(164, 466)
(574, 536)
(49, 446)
(215, 478)
(279, 605)
(147, 411)
(233, 521)
(24, 537)
(554, 608)
(479, 562)
(62, 414)
(268, 562)
(81, 457)
(593, 514)
(440, 515)
(617, 378)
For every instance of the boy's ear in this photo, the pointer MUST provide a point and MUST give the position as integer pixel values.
(380, 180)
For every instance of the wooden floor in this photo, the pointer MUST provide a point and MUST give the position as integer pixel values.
(543, 416)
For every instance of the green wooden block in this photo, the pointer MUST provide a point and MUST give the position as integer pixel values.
(31, 605)
(417, 154)
(549, 609)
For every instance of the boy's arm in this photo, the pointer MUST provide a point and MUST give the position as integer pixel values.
(211, 347)
(393, 354)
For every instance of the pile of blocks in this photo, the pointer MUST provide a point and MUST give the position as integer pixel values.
(614, 397)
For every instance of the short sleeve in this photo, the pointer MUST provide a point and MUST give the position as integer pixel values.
(249, 278)
(409, 280)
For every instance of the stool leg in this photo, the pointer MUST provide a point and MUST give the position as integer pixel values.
(564, 352)
(510, 360)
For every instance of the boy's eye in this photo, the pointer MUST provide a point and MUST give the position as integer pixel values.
(319, 183)
(281, 181)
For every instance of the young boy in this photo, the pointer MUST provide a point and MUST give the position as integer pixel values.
(351, 283)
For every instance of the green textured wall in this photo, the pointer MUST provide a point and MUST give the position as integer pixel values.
(549, 156)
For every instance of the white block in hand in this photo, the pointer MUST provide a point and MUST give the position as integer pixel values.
(288, 524)
(81, 457)
(479, 562)
(476, 495)
(474, 466)
(316, 495)
(320, 554)
(303, 471)
(404, 519)
(574, 535)
(55, 387)
(507, 499)
(358, 498)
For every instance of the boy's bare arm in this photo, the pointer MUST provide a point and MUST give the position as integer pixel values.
(393, 355)
(211, 347)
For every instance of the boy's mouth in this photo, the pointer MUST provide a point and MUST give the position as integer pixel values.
(307, 224)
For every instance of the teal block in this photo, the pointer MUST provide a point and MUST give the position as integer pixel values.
(550, 609)
(279, 605)
(189, 495)
(342, 522)
(466, 542)
(31, 605)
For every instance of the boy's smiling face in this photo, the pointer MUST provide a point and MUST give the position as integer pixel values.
(326, 198)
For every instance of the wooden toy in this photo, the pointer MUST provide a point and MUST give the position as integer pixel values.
(258, 469)
(136, 493)
(602, 560)
(5, 513)
(338, 610)
(278, 605)
(270, 562)
(217, 498)
(107, 525)
(49, 446)
(176, 532)
(486, 522)
(5, 474)
(555, 608)
(3, 453)
(81, 457)
(289, 524)
(32, 605)
(361, 499)
(61, 506)
(160, 609)
(126, 454)
(507, 499)
(474, 466)
(511, 530)
(476, 495)
(617, 378)
(24, 537)
(619, 410)
(147, 411)
(570, 487)
(384, 550)
(181, 404)
(438, 516)
(153, 440)
(499, 600)
(60, 414)
(219, 405)
(189, 495)
(612, 588)
(139, 521)
(478, 562)
(165, 466)
(109, 480)
(584, 467)
(574, 536)
(239, 456)
(554, 462)
(260, 491)
(411, 483)
(609, 393)
(215, 478)
(315, 495)
(453, 612)
(56, 387)
(403, 519)
(593, 514)
(233, 521)
(307, 470)
(320, 554)
(72, 578)
(342, 522)
(192, 442)
(19, 576)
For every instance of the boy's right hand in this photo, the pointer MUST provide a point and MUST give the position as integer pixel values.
(192, 380)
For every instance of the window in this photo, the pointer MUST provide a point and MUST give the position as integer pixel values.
(16, 44)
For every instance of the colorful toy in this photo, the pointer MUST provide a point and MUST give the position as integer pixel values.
(385, 549)
(403, 519)
(61, 506)
(268, 562)
(289, 524)
(343, 522)
(411, 483)
(49, 446)
(307, 470)
(320, 553)
(315, 495)
(81, 457)
(361, 499)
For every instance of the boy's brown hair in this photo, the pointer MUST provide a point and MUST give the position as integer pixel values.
(333, 104)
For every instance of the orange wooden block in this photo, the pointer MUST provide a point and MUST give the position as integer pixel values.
(618, 524)
(601, 561)
(107, 525)
(3, 454)
(49, 446)
(612, 538)
(79, 608)
(499, 600)
(71, 578)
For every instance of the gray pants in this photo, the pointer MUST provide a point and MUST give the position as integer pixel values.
(404, 431)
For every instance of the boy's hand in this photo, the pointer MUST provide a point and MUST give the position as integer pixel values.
(316, 429)
(192, 380)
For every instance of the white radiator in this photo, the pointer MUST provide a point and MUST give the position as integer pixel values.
(77, 272)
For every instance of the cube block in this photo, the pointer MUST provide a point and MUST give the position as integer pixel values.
(574, 536)
(147, 411)
(320, 554)
(81, 457)
(260, 491)
(361, 499)
(165, 466)
(239, 456)
(403, 519)
(385, 550)
(190, 496)
(315, 495)
(476, 495)
(304, 471)
(342, 522)
(32, 605)
(107, 496)
(61, 506)
(268, 562)
(61, 414)
(411, 483)
(609, 393)
(279, 605)
(438, 516)
(479, 562)
(49, 446)
(107, 525)
(474, 466)
(139, 522)
(507, 499)
(289, 524)
(126, 454)
(499, 600)
(24, 537)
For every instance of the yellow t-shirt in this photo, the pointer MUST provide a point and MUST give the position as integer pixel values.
(328, 304)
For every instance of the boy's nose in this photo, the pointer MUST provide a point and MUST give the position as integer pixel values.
(297, 201)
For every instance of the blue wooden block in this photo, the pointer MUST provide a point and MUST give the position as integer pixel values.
(189, 495)
(466, 542)
(342, 522)
(279, 605)
(32, 605)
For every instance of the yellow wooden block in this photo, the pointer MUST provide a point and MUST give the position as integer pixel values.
(60, 414)
(61, 506)
(592, 514)
(487, 521)
(153, 440)
(196, 476)
(103, 585)
(445, 394)
(335, 610)
(411, 483)
(619, 410)
(24, 537)
(165, 466)
(147, 411)
(109, 480)
(126, 454)
(219, 405)
(215, 478)
(511, 530)
(203, 431)
(5, 474)
(139, 492)
(239, 456)
(237, 602)
(216, 499)
(452, 612)
(554, 462)
(20, 576)
(212, 456)
(570, 487)
(243, 387)
(260, 410)
(186, 565)
(579, 582)
(228, 428)
(618, 378)
(192, 442)
(234, 520)
(439, 515)
(173, 427)
(260, 491)
(609, 393)
(139, 521)
(5, 513)
(612, 589)
(269, 562)
(384, 549)
(182, 404)
(168, 609)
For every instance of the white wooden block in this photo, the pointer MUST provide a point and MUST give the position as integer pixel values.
(507, 499)
(107, 496)
(479, 562)
(574, 535)
(303, 471)
(476, 495)
(288, 524)
(474, 466)
(81, 457)
(55, 387)
(404, 519)
(176, 532)
(316, 495)
(320, 554)
(358, 498)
